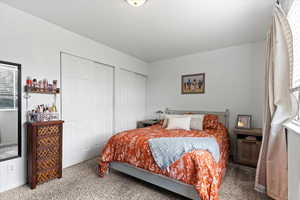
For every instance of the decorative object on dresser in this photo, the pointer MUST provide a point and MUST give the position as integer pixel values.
(41, 112)
(41, 86)
(44, 151)
(248, 145)
(146, 123)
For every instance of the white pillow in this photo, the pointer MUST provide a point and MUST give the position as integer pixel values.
(196, 121)
(167, 117)
(179, 123)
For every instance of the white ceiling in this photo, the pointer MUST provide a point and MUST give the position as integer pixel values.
(161, 28)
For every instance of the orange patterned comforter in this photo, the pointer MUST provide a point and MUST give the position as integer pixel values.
(197, 168)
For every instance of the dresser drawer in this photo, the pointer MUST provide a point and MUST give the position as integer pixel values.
(49, 163)
(48, 141)
(47, 175)
(48, 130)
(44, 153)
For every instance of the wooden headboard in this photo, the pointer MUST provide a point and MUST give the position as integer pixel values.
(223, 116)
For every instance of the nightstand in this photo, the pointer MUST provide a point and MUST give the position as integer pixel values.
(146, 123)
(248, 143)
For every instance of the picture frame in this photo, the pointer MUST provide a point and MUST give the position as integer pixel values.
(243, 122)
(193, 83)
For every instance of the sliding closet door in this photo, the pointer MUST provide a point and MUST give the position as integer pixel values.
(87, 108)
(131, 100)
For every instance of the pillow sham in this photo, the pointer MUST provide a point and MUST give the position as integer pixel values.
(179, 123)
(210, 121)
(165, 122)
(196, 121)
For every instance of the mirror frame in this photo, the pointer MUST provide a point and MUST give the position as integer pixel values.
(18, 66)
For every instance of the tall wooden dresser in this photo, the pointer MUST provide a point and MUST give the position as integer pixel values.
(44, 151)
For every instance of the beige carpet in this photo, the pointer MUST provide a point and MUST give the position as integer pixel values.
(81, 182)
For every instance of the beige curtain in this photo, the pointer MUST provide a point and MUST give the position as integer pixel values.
(280, 106)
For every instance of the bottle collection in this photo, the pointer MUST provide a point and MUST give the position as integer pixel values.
(36, 85)
(43, 113)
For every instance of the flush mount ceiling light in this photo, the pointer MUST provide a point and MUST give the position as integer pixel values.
(136, 3)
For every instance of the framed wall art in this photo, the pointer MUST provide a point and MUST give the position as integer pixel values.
(193, 84)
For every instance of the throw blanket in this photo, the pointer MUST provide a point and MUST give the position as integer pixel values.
(166, 151)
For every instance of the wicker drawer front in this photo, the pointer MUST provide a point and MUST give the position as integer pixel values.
(48, 153)
(48, 130)
(48, 141)
(47, 164)
(47, 175)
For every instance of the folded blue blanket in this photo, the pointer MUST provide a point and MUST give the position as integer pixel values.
(166, 151)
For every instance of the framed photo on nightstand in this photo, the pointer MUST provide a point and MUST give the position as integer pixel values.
(243, 121)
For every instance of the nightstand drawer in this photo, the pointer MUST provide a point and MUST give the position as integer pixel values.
(248, 143)
(248, 151)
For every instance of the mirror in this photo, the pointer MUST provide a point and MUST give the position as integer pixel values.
(10, 110)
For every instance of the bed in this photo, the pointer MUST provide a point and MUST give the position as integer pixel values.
(195, 175)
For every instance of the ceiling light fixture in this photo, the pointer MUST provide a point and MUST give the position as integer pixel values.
(136, 3)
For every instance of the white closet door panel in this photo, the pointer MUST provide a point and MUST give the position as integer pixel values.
(131, 100)
(87, 108)
(141, 97)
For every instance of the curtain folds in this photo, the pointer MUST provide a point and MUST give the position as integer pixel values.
(286, 5)
(280, 106)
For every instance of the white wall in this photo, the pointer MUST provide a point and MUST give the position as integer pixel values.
(8, 127)
(36, 44)
(234, 80)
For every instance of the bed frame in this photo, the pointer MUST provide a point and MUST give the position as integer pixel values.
(165, 182)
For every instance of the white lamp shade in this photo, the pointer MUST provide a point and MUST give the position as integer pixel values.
(136, 3)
